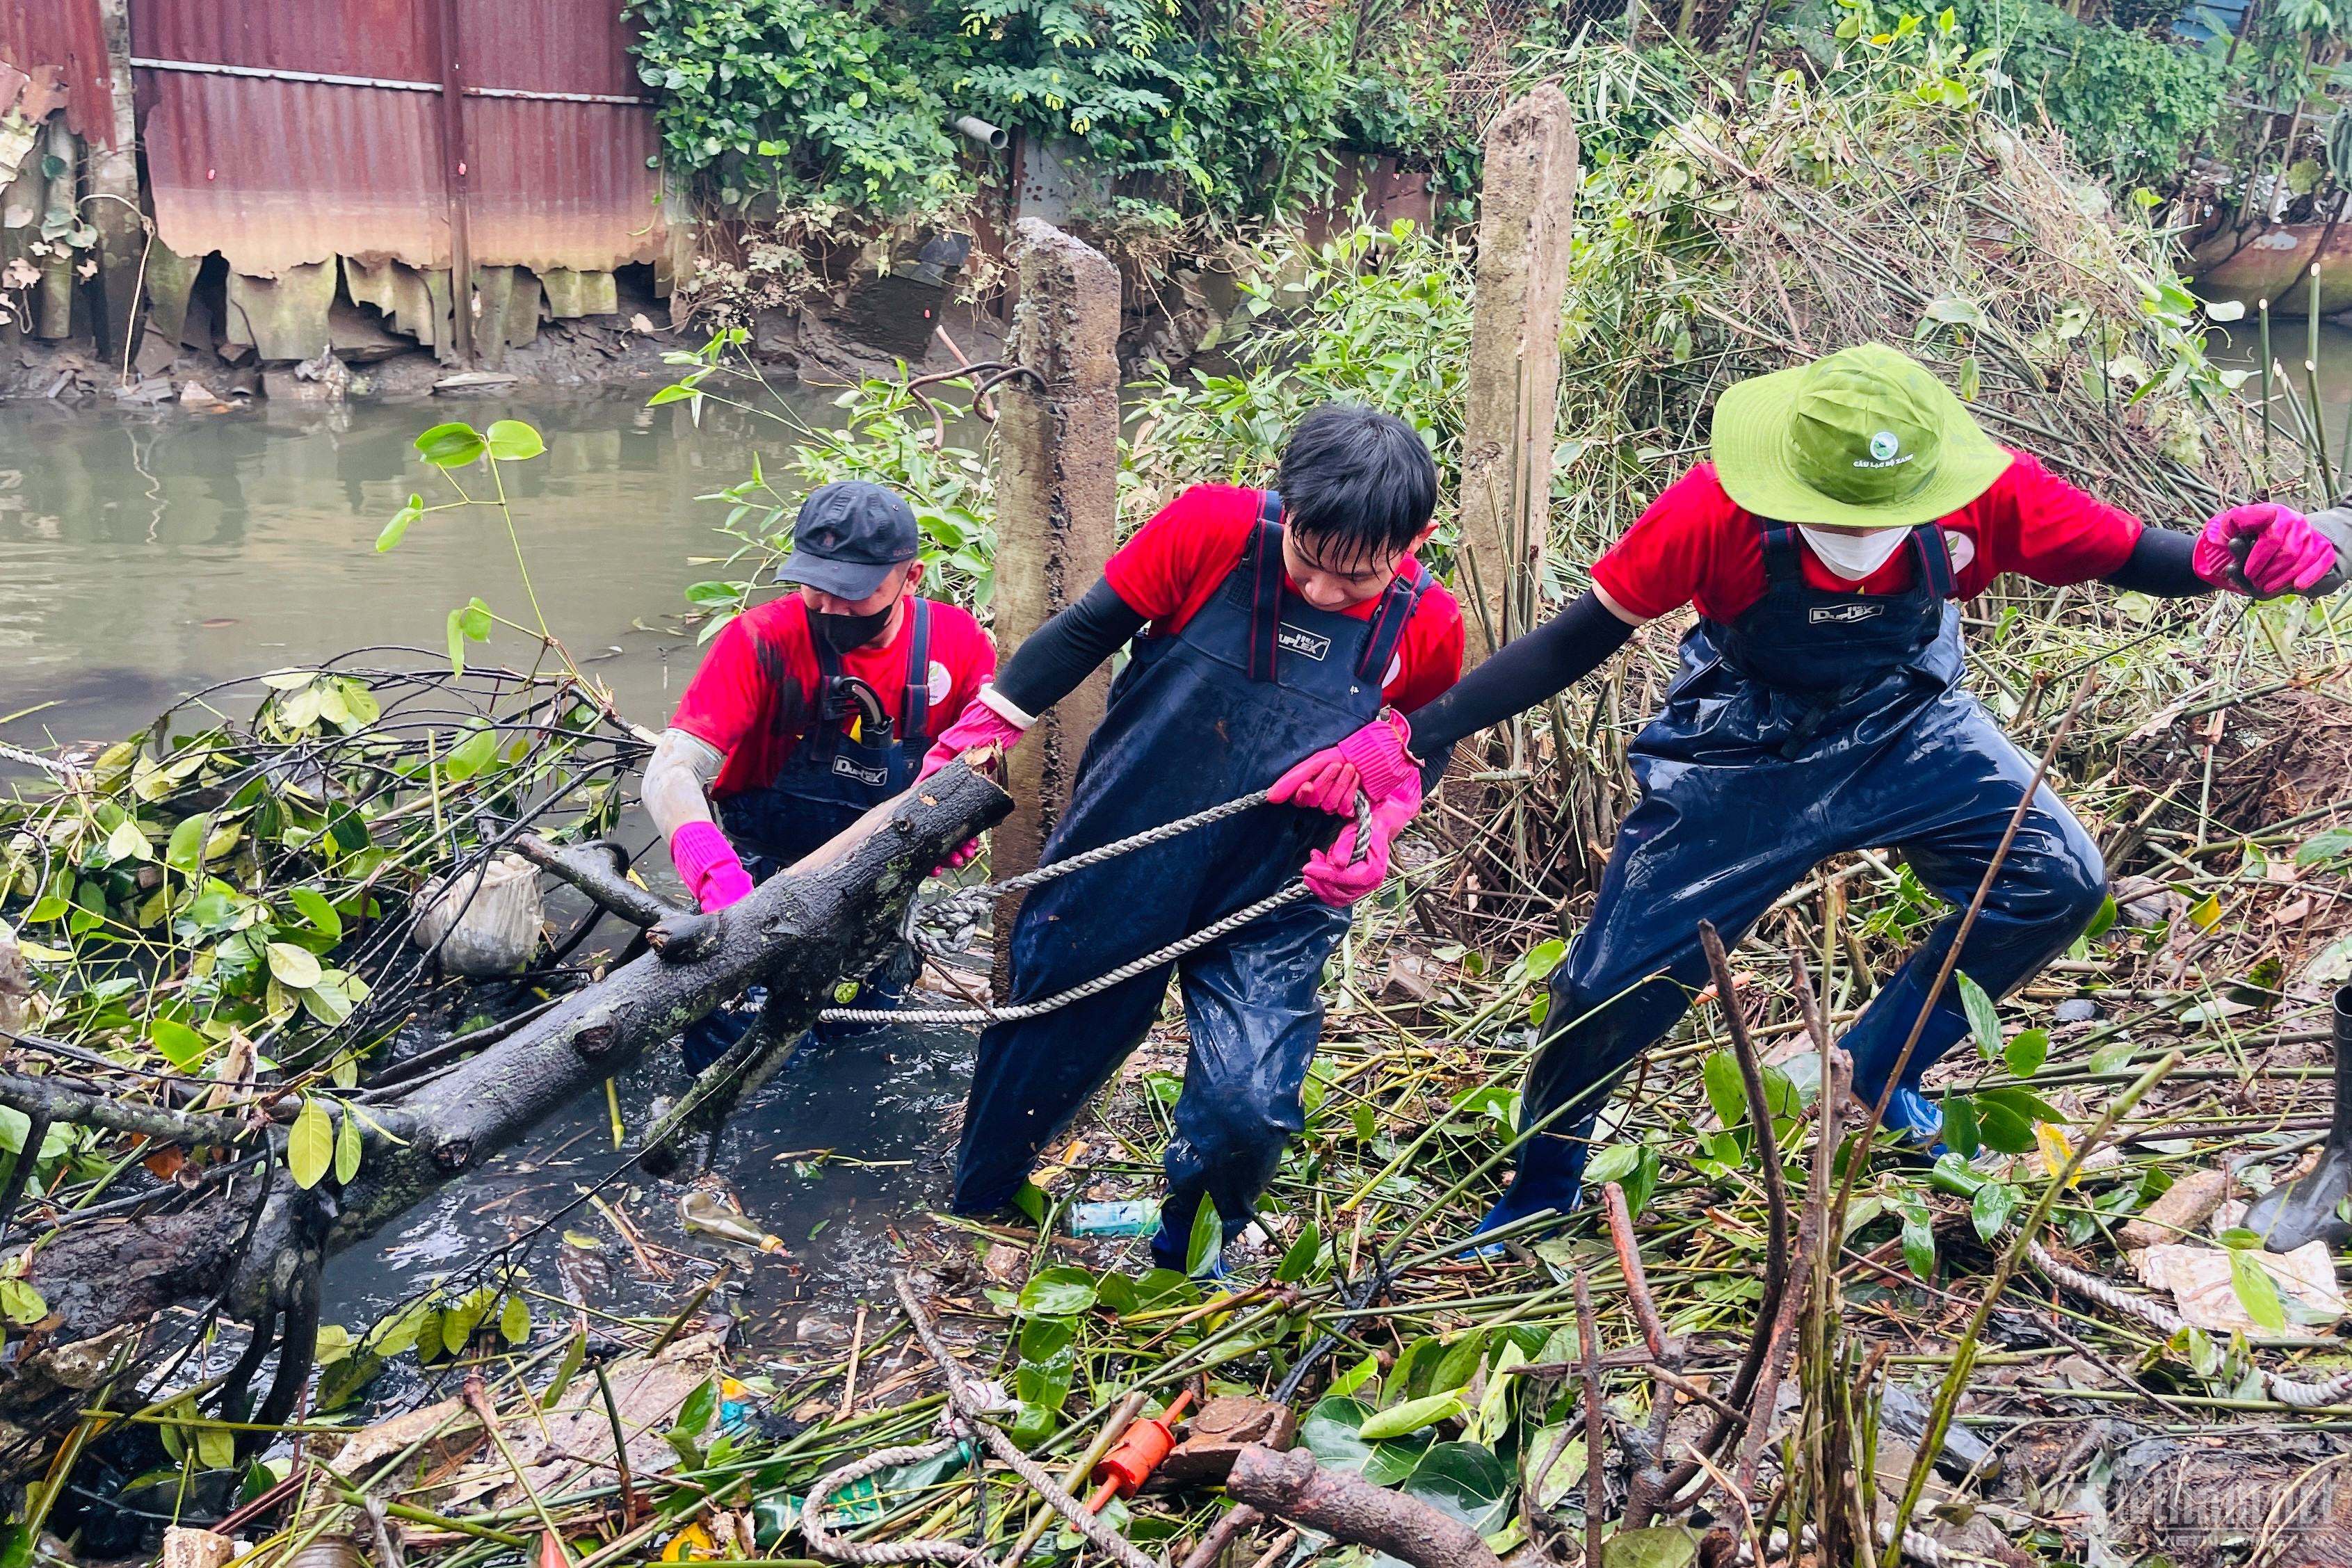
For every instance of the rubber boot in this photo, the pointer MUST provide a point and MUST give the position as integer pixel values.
(1550, 1175)
(1914, 1124)
(2295, 1213)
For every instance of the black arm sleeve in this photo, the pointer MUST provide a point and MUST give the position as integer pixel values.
(1056, 657)
(2159, 566)
(1569, 646)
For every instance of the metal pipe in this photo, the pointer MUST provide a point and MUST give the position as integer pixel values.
(989, 136)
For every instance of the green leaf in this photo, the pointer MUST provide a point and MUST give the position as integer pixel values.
(514, 1321)
(470, 621)
(1298, 1261)
(1919, 1241)
(1990, 1209)
(451, 445)
(1465, 1482)
(295, 968)
(471, 755)
(2002, 1128)
(2027, 1053)
(20, 1303)
(1031, 1199)
(1042, 1339)
(1333, 1432)
(2029, 1106)
(1062, 1291)
(2328, 846)
(394, 530)
(1412, 1417)
(181, 1046)
(1960, 1133)
(1726, 1090)
(1544, 958)
(347, 1149)
(1365, 1371)
(2103, 922)
(1984, 1017)
(512, 441)
(216, 1448)
(2257, 1292)
(318, 911)
(1208, 1236)
(678, 391)
(309, 1145)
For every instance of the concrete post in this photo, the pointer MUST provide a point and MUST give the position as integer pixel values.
(1057, 513)
(1525, 209)
(115, 212)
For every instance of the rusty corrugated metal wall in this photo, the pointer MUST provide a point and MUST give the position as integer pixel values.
(68, 36)
(286, 132)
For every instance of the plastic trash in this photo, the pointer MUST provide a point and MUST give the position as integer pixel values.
(496, 911)
(706, 1212)
(1122, 1471)
(1135, 1217)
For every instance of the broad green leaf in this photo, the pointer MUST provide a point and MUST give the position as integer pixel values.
(2002, 1128)
(1960, 1133)
(20, 1303)
(317, 911)
(1412, 1417)
(2257, 1291)
(1990, 1209)
(1298, 1261)
(394, 530)
(2326, 846)
(2029, 1105)
(1566, 1471)
(451, 445)
(1919, 1241)
(512, 441)
(1465, 1482)
(288, 680)
(181, 1046)
(1984, 1017)
(1365, 1371)
(309, 1143)
(514, 1321)
(1724, 1090)
(1544, 958)
(1333, 1431)
(471, 755)
(1208, 1237)
(216, 1448)
(128, 843)
(1044, 1338)
(2101, 922)
(470, 621)
(1062, 1291)
(678, 391)
(347, 1149)
(2027, 1053)
(295, 968)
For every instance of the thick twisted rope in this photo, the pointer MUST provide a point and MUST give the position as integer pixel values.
(974, 1413)
(48, 765)
(2285, 1390)
(819, 1539)
(965, 904)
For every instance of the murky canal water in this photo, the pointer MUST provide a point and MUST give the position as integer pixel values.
(144, 556)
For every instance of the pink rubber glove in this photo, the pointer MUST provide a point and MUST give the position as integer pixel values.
(978, 725)
(1373, 760)
(708, 866)
(1329, 872)
(2287, 555)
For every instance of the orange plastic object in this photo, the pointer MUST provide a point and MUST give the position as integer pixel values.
(1136, 1454)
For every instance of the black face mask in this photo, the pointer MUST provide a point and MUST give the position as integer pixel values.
(846, 632)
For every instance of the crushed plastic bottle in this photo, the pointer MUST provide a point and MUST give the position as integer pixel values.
(706, 1212)
(1134, 1216)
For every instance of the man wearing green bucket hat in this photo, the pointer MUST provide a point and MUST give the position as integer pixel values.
(1851, 505)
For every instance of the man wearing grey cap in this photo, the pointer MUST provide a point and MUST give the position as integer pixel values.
(810, 710)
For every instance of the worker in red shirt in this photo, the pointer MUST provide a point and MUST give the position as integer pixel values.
(810, 711)
(1851, 505)
(1265, 625)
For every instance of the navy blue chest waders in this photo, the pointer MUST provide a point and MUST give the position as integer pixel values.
(1255, 681)
(1817, 724)
(825, 784)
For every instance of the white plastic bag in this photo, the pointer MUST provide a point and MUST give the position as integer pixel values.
(498, 910)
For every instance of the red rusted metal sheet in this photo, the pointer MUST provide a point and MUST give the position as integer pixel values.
(273, 172)
(70, 36)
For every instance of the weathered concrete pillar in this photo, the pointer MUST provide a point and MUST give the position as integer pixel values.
(1526, 210)
(53, 306)
(115, 213)
(1057, 511)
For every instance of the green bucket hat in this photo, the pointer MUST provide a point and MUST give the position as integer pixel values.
(1864, 438)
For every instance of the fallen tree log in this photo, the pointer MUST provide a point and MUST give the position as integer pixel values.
(833, 913)
(1348, 1508)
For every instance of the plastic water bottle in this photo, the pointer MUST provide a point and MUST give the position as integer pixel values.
(1133, 1217)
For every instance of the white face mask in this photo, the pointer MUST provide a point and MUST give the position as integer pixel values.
(1854, 557)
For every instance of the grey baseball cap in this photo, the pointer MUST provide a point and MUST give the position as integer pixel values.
(847, 538)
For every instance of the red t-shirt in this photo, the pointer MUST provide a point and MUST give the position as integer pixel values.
(1695, 546)
(753, 697)
(1175, 561)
